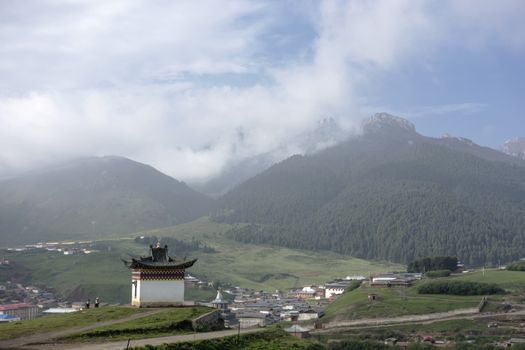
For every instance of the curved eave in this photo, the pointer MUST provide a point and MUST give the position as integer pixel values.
(135, 264)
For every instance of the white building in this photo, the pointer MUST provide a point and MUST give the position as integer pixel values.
(333, 289)
(158, 280)
(355, 278)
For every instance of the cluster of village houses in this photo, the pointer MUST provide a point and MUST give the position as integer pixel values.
(23, 302)
(20, 302)
(66, 248)
(251, 308)
(248, 308)
(242, 308)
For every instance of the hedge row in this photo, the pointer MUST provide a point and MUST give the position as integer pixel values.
(516, 266)
(438, 273)
(459, 288)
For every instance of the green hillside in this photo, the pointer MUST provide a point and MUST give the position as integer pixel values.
(270, 339)
(170, 321)
(393, 302)
(64, 321)
(261, 267)
(389, 194)
(93, 198)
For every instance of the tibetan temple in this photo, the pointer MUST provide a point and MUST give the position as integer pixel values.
(158, 280)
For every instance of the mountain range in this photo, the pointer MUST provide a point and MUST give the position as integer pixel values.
(93, 197)
(387, 194)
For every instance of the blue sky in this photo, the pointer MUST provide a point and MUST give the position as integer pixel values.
(492, 82)
(174, 83)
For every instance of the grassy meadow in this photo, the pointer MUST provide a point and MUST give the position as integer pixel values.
(168, 322)
(59, 322)
(465, 333)
(405, 301)
(512, 281)
(265, 267)
(104, 275)
(392, 302)
(270, 339)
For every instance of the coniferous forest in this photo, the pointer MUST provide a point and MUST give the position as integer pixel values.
(390, 194)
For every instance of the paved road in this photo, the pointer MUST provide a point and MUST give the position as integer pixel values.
(118, 345)
(45, 337)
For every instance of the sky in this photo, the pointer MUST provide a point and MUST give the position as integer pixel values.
(192, 87)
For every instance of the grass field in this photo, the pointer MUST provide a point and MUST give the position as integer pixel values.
(265, 267)
(393, 302)
(513, 281)
(458, 330)
(400, 301)
(271, 339)
(59, 322)
(103, 274)
(170, 322)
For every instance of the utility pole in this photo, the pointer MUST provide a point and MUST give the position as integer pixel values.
(239, 333)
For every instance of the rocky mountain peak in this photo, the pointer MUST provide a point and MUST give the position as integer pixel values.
(515, 147)
(464, 140)
(380, 121)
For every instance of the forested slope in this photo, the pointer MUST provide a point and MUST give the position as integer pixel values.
(389, 194)
(91, 198)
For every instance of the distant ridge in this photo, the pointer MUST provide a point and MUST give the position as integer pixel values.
(91, 198)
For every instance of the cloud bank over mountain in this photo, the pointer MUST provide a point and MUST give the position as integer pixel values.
(191, 86)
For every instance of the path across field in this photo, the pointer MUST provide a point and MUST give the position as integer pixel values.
(470, 313)
(46, 337)
(119, 345)
(44, 341)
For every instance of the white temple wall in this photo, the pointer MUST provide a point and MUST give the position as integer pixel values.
(158, 293)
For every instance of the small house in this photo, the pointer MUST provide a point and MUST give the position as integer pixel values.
(298, 331)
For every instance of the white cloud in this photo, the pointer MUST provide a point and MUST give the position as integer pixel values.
(173, 83)
(418, 112)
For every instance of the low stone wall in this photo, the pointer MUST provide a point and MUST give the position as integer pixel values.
(211, 320)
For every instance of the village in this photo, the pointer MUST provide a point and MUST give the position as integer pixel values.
(260, 308)
(162, 282)
(66, 248)
(240, 307)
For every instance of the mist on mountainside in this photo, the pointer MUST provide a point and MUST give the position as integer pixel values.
(93, 198)
(327, 132)
(389, 194)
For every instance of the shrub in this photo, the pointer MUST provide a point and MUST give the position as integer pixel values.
(359, 345)
(438, 273)
(353, 285)
(271, 339)
(433, 263)
(516, 266)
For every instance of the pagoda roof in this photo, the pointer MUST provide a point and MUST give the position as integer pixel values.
(159, 259)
